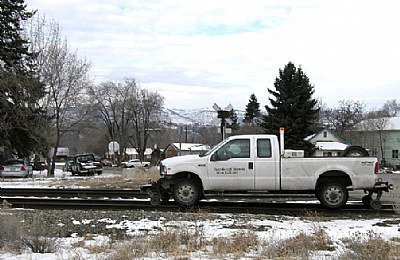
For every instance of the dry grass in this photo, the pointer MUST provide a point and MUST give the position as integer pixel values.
(10, 233)
(188, 238)
(238, 244)
(301, 245)
(370, 246)
(16, 236)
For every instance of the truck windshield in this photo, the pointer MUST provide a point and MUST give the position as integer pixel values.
(212, 150)
(86, 158)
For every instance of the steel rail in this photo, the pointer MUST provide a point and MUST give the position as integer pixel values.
(68, 193)
(292, 209)
(134, 193)
(256, 203)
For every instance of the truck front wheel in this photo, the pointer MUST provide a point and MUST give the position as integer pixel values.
(333, 195)
(186, 193)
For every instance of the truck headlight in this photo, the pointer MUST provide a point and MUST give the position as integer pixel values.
(163, 170)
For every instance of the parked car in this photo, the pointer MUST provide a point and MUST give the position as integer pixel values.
(105, 162)
(67, 166)
(39, 166)
(132, 163)
(15, 168)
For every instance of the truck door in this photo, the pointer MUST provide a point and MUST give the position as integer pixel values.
(231, 167)
(266, 166)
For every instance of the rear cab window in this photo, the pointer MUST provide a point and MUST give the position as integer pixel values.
(264, 148)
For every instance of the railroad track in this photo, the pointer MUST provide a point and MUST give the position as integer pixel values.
(71, 193)
(48, 198)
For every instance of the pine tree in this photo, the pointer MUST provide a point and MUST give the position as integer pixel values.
(233, 116)
(252, 109)
(292, 107)
(20, 91)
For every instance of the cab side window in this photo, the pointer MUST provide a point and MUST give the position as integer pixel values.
(239, 148)
(264, 148)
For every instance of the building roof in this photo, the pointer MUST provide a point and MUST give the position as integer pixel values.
(191, 147)
(324, 135)
(330, 146)
(132, 151)
(393, 123)
(384, 123)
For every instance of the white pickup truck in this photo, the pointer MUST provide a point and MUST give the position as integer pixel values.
(254, 163)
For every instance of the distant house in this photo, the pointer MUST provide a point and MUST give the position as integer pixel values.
(131, 153)
(327, 143)
(178, 149)
(61, 155)
(382, 137)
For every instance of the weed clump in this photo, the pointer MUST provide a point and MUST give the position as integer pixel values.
(369, 246)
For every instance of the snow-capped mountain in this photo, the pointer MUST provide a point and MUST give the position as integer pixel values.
(202, 116)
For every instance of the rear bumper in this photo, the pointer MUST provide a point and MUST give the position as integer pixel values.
(91, 170)
(13, 174)
(381, 185)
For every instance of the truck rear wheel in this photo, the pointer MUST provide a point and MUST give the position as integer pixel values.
(186, 193)
(333, 195)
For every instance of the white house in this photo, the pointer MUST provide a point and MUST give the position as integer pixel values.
(131, 153)
(327, 143)
(176, 149)
(382, 137)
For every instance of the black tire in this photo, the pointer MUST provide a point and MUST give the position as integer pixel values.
(376, 205)
(333, 195)
(366, 200)
(186, 193)
(355, 151)
(165, 197)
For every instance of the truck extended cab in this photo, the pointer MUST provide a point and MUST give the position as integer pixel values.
(254, 163)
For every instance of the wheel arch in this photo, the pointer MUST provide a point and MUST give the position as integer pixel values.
(333, 175)
(187, 175)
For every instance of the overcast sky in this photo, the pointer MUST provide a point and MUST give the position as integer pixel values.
(195, 53)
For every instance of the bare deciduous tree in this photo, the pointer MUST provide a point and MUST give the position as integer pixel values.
(113, 103)
(391, 108)
(145, 113)
(343, 118)
(129, 112)
(64, 74)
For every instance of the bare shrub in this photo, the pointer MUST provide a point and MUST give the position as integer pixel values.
(135, 248)
(238, 244)
(369, 246)
(193, 238)
(11, 233)
(37, 238)
(296, 246)
(167, 241)
(302, 245)
(16, 234)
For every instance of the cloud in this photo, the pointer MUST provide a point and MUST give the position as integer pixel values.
(227, 50)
